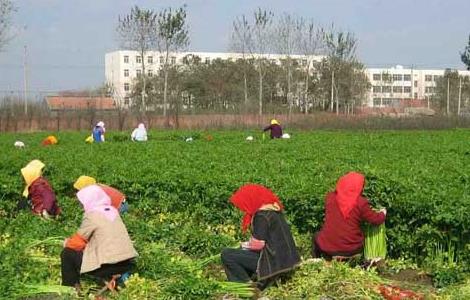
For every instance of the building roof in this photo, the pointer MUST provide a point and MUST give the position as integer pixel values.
(79, 103)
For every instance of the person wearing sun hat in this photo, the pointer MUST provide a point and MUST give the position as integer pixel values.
(118, 199)
(38, 190)
(101, 247)
(275, 128)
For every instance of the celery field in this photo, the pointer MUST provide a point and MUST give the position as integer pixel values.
(180, 217)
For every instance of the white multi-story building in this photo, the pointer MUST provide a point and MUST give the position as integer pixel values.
(389, 86)
(122, 67)
(392, 85)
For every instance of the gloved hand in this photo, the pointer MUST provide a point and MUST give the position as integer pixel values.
(384, 211)
(45, 214)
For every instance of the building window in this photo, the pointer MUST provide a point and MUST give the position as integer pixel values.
(407, 89)
(377, 89)
(428, 78)
(162, 60)
(126, 59)
(416, 96)
(126, 100)
(150, 73)
(376, 77)
(387, 102)
(407, 77)
(429, 90)
(437, 77)
(304, 62)
(416, 83)
(173, 60)
(386, 77)
(377, 102)
(397, 77)
(126, 73)
(386, 89)
(138, 59)
(398, 89)
(207, 61)
(126, 87)
(150, 59)
(138, 73)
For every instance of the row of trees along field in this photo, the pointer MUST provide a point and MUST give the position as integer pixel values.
(254, 82)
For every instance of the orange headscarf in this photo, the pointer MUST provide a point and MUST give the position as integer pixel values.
(250, 198)
(348, 190)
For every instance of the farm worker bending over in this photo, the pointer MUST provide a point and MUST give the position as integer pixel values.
(98, 132)
(271, 249)
(50, 140)
(139, 134)
(276, 129)
(118, 199)
(345, 209)
(102, 246)
(39, 191)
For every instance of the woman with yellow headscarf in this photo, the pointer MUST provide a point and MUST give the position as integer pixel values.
(38, 190)
(118, 199)
(276, 129)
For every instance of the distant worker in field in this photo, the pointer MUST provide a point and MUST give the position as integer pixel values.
(271, 249)
(139, 134)
(98, 132)
(39, 191)
(118, 199)
(101, 247)
(276, 129)
(345, 209)
(50, 140)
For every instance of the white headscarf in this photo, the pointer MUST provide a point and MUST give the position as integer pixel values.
(140, 133)
(101, 124)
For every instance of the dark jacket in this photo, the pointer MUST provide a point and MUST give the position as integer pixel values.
(339, 235)
(280, 253)
(276, 131)
(43, 197)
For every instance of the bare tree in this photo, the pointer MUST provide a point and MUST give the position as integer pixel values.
(172, 37)
(6, 10)
(242, 38)
(137, 32)
(341, 47)
(311, 43)
(260, 47)
(287, 44)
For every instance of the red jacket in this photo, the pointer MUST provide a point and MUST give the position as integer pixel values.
(43, 197)
(339, 235)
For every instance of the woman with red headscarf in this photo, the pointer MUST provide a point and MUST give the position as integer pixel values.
(345, 209)
(271, 249)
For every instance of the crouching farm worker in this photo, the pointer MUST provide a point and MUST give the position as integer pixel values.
(118, 199)
(101, 247)
(271, 249)
(139, 134)
(98, 132)
(275, 128)
(345, 209)
(39, 191)
(50, 140)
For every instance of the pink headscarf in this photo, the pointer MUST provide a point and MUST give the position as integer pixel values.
(94, 199)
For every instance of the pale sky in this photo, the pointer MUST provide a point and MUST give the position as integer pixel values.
(67, 39)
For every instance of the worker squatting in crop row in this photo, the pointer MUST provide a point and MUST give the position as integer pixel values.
(102, 247)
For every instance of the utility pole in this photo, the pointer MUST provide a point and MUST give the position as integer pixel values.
(460, 96)
(448, 90)
(332, 89)
(25, 81)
